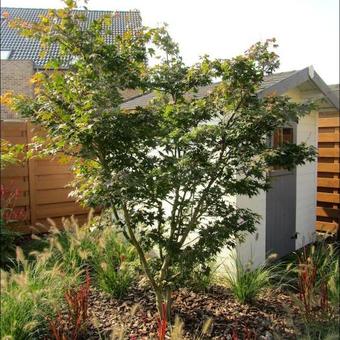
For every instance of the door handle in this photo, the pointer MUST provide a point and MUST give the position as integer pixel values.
(295, 236)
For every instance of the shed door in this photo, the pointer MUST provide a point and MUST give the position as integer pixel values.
(280, 214)
(281, 202)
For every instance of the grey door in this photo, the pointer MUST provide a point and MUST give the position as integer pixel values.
(280, 213)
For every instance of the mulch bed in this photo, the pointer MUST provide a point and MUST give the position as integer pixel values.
(269, 317)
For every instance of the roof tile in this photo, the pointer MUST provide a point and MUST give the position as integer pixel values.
(23, 48)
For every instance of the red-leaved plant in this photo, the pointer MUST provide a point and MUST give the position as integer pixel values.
(306, 281)
(9, 212)
(311, 294)
(73, 325)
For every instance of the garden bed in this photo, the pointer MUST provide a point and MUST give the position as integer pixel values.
(82, 284)
(270, 316)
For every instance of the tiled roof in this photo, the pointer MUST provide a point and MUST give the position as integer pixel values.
(29, 49)
(269, 81)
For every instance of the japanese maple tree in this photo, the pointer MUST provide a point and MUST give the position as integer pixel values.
(167, 169)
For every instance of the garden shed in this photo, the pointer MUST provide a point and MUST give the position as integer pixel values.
(288, 208)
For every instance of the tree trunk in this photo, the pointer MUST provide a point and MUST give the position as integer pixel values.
(168, 305)
(164, 303)
(159, 302)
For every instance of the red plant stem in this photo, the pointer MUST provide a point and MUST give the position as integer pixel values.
(162, 326)
(234, 335)
(324, 297)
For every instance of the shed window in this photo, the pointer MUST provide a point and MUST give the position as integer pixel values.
(282, 136)
(5, 54)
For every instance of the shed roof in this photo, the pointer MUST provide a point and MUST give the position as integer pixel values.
(335, 88)
(22, 48)
(277, 83)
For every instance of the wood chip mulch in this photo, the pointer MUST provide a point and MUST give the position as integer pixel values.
(135, 316)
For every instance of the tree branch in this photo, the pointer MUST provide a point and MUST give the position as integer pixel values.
(138, 247)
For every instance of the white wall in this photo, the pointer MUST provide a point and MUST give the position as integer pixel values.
(306, 184)
(306, 178)
(254, 247)
(225, 257)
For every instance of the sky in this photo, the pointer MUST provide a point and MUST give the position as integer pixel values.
(307, 31)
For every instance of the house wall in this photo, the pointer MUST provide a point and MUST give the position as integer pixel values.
(15, 76)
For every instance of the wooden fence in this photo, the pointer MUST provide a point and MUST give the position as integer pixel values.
(328, 196)
(40, 183)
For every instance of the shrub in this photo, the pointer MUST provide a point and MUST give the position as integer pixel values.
(245, 282)
(324, 257)
(29, 294)
(113, 280)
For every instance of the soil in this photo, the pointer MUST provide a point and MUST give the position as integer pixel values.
(135, 316)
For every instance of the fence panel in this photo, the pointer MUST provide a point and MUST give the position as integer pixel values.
(15, 179)
(328, 198)
(41, 183)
